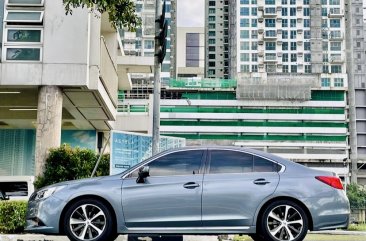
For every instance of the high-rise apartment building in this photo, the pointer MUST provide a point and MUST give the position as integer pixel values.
(141, 42)
(217, 39)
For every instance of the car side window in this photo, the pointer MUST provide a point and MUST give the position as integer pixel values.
(263, 165)
(223, 161)
(177, 163)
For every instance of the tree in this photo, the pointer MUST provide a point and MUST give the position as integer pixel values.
(122, 13)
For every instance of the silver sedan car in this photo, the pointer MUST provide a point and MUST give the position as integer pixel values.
(195, 190)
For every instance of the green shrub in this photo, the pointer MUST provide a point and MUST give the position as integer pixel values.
(357, 196)
(12, 216)
(66, 163)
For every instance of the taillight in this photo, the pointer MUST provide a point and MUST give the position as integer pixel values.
(331, 181)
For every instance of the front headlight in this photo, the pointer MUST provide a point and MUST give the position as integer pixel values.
(47, 192)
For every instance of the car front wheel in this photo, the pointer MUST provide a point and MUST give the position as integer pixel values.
(89, 219)
(284, 221)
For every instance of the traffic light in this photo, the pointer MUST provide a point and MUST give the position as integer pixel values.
(163, 33)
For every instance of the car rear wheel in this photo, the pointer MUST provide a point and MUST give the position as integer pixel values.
(89, 219)
(284, 221)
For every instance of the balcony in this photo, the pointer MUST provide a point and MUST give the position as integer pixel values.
(335, 13)
(108, 71)
(269, 57)
(270, 12)
(336, 36)
(336, 59)
(270, 34)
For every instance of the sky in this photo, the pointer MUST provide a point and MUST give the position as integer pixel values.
(191, 13)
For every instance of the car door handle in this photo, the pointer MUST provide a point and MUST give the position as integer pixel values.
(261, 181)
(191, 185)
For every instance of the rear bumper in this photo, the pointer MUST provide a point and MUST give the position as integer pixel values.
(329, 212)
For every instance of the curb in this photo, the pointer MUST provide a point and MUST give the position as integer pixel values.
(339, 232)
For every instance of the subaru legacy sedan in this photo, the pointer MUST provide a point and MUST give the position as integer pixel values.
(195, 190)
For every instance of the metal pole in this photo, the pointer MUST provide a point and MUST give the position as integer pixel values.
(157, 69)
(100, 156)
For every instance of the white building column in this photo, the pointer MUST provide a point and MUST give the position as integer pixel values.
(49, 117)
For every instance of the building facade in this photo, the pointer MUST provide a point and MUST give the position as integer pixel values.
(191, 53)
(58, 72)
(217, 39)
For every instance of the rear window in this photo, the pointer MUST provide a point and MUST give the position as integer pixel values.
(226, 161)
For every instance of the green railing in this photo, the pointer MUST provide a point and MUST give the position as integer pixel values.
(133, 108)
(203, 83)
(259, 137)
(252, 123)
(196, 109)
(327, 95)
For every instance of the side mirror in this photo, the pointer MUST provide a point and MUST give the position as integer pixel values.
(143, 173)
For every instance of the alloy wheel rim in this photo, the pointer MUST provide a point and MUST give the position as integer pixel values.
(87, 222)
(285, 223)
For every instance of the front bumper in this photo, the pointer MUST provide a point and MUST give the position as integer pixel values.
(43, 216)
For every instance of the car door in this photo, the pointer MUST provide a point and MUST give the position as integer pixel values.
(170, 197)
(234, 185)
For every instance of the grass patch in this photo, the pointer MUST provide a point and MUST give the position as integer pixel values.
(357, 227)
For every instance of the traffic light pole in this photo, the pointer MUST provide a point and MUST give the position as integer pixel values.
(157, 83)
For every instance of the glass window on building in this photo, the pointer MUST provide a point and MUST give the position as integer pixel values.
(308, 69)
(293, 57)
(284, 68)
(285, 46)
(284, 2)
(271, 23)
(244, 57)
(254, 45)
(334, 2)
(284, 23)
(244, 22)
(284, 34)
(293, 34)
(293, 68)
(255, 68)
(244, 45)
(293, 11)
(244, 11)
(335, 23)
(244, 68)
(24, 35)
(270, 68)
(211, 18)
(270, 45)
(292, 2)
(293, 46)
(325, 69)
(306, 2)
(254, 11)
(212, 3)
(244, 1)
(306, 11)
(149, 44)
(338, 82)
(211, 10)
(254, 34)
(244, 34)
(26, 54)
(270, 2)
(307, 46)
(324, 2)
(293, 23)
(192, 49)
(336, 68)
(307, 57)
(165, 67)
(335, 46)
(284, 57)
(325, 82)
(307, 34)
(324, 12)
(254, 57)
(325, 45)
(254, 23)
(284, 11)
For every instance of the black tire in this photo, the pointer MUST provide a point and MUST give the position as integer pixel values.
(98, 225)
(293, 227)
